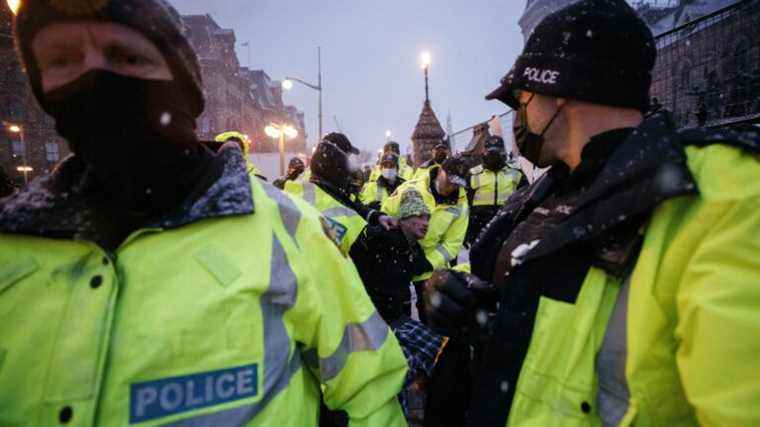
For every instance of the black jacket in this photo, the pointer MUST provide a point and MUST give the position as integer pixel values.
(574, 221)
(387, 261)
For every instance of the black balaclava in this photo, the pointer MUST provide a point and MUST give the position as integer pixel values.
(494, 158)
(136, 136)
(330, 164)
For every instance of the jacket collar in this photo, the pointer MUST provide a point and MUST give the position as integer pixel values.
(647, 168)
(55, 205)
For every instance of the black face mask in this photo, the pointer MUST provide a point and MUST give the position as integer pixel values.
(440, 157)
(137, 137)
(494, 160)
(529, 143)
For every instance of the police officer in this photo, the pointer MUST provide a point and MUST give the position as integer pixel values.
(443, 190)
(244, 142)
(491, 184)
(404, 170)
(440, 153)
(626, 273)
(376, 192)
(329, 190)
(151, 281)
(296, 168)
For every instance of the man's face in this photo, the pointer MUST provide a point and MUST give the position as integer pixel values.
(66, 51)
(416, 226)
(540, 109)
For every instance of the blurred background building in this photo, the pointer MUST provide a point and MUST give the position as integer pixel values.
(29, 145)
(708, 63)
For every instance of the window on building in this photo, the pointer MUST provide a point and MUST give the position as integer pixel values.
(18, 148)
(205, 125)
(52, 152)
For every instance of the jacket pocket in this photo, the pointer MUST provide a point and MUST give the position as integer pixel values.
(14, 272)
(557, 384)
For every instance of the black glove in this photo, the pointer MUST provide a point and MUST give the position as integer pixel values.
(456, 302)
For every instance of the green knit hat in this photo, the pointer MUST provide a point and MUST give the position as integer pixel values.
(412, 204)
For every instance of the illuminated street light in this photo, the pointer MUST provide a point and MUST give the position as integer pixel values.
(287, 84)
(14, 5)
(14, 128)
(25, 170)
(388, 135)
(426, 60)
(281, 132)
(272, 131)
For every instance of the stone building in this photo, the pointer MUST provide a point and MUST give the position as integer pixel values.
(708, 63)
(29, 145)
(237, 98)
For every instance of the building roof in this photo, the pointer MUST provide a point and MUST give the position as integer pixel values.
(428, 126)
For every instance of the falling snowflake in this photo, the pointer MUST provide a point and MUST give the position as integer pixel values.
(519, 253)
(166, 118)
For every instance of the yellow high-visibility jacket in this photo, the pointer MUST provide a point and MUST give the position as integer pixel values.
(231, 313)
(447, 228)
(343, 223)
(493, 188)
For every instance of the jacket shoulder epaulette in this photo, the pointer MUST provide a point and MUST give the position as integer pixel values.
(748, 141)
(476, 170)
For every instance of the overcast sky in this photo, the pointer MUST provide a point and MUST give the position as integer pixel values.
(370, 56)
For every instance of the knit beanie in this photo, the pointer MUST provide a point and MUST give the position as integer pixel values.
(412, 204)
(155, 19)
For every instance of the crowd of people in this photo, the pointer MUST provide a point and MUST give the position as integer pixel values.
(153, 278)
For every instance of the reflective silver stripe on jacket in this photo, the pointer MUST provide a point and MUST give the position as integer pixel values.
(339, 211)
(454, 211)
(289, 212)
(379, 195)
(309, 193)
(367, 336)
(614, 394)
(442, 250)
(278, 367)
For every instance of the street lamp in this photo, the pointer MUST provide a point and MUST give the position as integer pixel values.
(287, 84)
(281, 132)
(14, 5)
(14, 128)
(25, 170)
(426, 60)
(388, 135)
